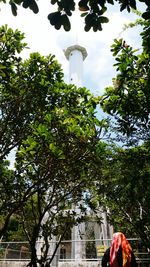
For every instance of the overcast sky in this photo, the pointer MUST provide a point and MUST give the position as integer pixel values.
(43, 38)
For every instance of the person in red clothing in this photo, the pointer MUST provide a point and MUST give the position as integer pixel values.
(120, 253)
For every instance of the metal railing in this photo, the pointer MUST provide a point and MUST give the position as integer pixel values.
(90, 250)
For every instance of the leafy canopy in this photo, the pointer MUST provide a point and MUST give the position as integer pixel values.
(126, 185)
(126, 174)
(128, 100)
(57, 135)
(21, 81)
(92, 10)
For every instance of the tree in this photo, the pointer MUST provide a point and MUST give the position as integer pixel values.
(126, 176)
(54, 128)
(60, 159)
(93, 11)
(128, 100)
(126, 191)
(21, 82)
(7, 203)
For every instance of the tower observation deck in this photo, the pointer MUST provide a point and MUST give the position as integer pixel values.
(76, 54)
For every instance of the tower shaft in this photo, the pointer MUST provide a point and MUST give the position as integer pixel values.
(76, 55)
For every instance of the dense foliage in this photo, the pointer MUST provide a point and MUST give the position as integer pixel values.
(93, 11)
(128, 100)
(127, 173)
(126, 186)
(54, 128)
(60, 155)
(20, 83)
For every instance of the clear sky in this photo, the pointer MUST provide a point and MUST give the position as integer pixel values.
(45, 39)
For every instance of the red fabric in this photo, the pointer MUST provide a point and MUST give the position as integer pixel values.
(117, 241)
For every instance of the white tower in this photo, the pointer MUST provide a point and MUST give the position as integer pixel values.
(75, 55)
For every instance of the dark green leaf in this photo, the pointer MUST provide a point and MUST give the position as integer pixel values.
(65, 22)
(84, 14)
(146, 15)
(123, 6)
(53, 2)
(110, 2)
(133, 4)
(14, 9)
(33, 6)
(103, 19)
(18, 2)
(55, 18)
(87, 28)
(26, 3)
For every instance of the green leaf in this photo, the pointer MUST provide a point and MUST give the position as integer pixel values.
(55, 18)
(103, 19)
(123, 6)
(133, 4)
(110, 2)
(18, 2)
(53, 2)
(26, 3)
(84, 14)
(87, 28)
(13, 8)
(33, 6)
(146, 15)
(65, 22)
